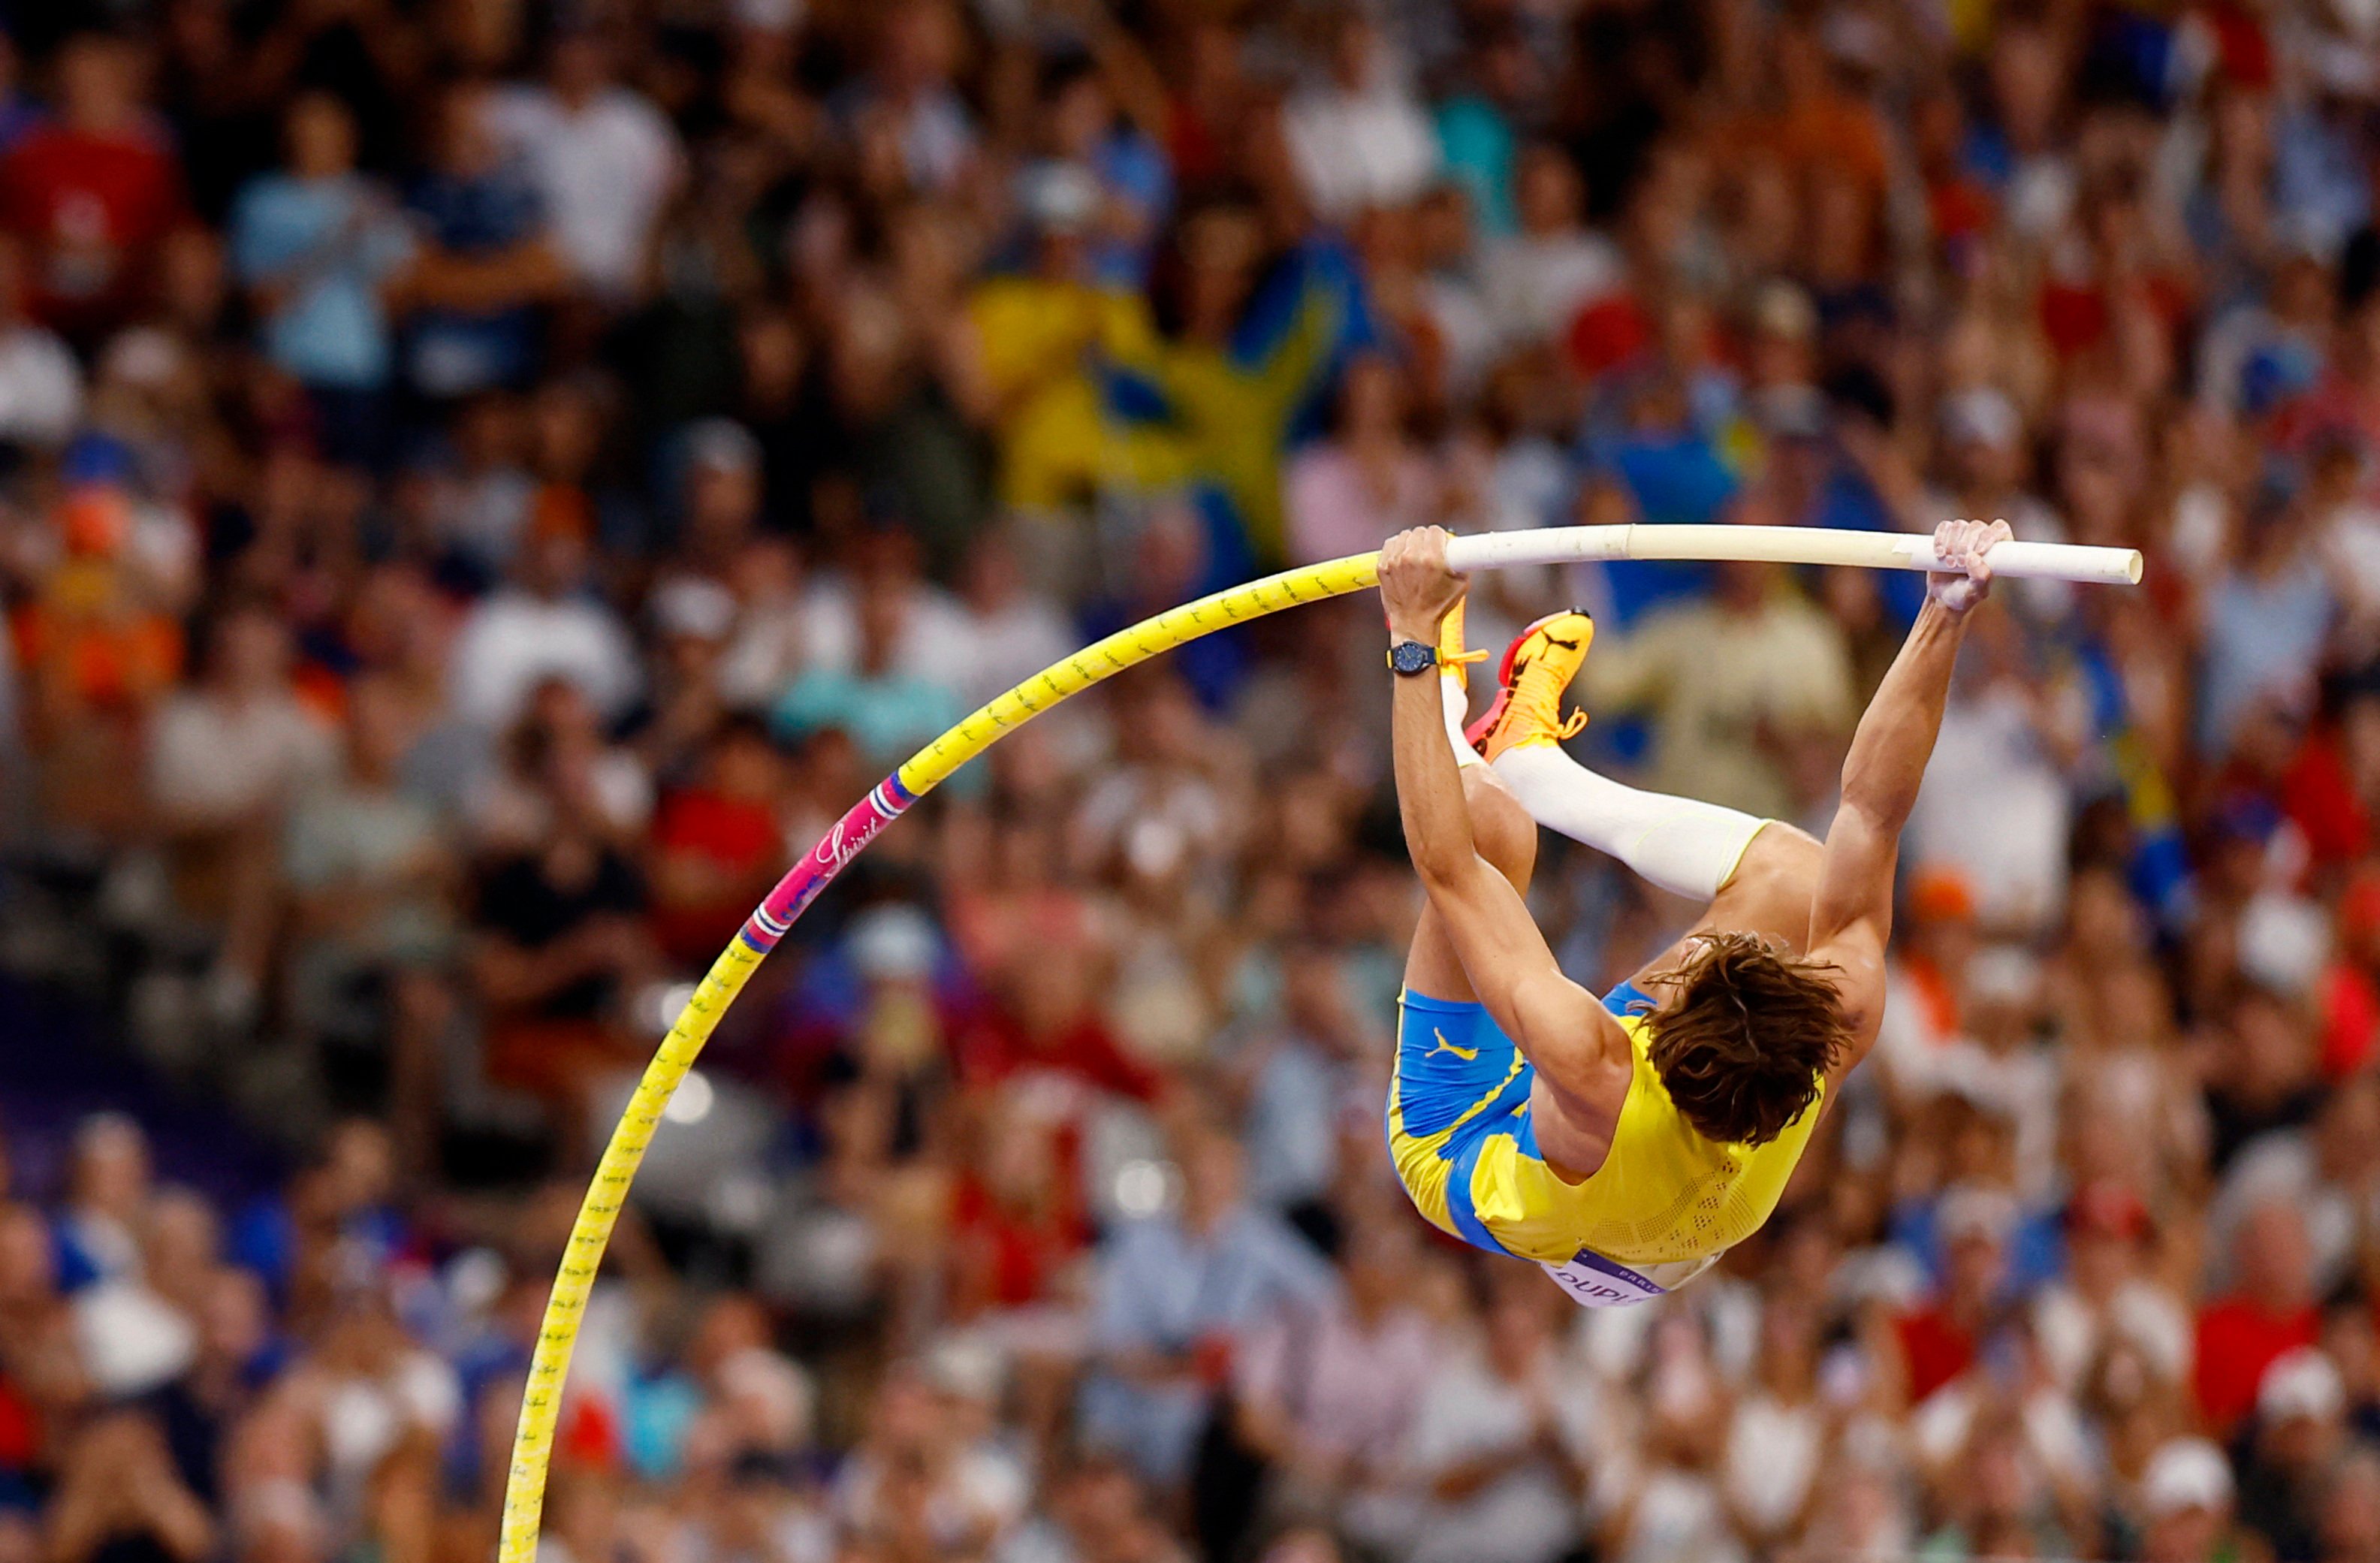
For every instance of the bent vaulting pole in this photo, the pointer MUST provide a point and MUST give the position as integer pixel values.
(930, 767)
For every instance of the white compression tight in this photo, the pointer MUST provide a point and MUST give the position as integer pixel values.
(1458, 710)
(1687, 848)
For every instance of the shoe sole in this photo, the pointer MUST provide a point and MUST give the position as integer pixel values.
(1476, 734)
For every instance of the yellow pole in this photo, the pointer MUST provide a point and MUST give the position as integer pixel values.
(549, 1361)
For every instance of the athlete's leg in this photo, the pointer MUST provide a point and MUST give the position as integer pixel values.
(1686, 847)
(1752, 873)
(1771, 892)
(1755, 873)
(1506, 838)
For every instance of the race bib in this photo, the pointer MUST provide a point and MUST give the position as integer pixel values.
(1594, 1281)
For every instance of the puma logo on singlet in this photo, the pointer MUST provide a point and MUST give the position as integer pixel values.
(1468, 1054)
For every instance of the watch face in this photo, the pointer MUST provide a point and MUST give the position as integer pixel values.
(1410, 657)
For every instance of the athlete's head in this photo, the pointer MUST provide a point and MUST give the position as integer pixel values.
(1742, 1033)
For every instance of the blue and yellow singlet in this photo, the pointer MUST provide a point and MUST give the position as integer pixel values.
(1663, 1206)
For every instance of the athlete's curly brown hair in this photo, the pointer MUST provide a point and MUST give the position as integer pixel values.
(1742, 1033)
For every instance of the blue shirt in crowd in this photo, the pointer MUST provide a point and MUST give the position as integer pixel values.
(329, 245)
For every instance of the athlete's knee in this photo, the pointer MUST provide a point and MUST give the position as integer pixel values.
(1500, 829)
(1780, 857)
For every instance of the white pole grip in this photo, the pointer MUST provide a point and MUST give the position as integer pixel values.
(1784, 545)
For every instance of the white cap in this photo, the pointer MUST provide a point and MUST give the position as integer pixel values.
(2008, 974)
(689, 605)
(2300, 1383)
(720, 444)
(144, 357)
(768, 16)
(894, 943)
(2284, 943)
(1976, 1212)
(968, 1367)
(1059, 197)
(1982, 416)
(2186, 1473)
(773, 1388)
(131, 1340)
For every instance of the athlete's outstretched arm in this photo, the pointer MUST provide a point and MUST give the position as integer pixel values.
(1851, 915)
(1558, 1024)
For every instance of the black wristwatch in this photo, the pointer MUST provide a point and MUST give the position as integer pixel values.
(1410, 658)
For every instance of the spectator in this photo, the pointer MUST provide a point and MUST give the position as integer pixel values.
(2267, 620)
(1500, 1442)
(546, 626)
(317, 247)
(1726, 680)
(2351, 1522)
(485, 261)
(2301, 1430)
(2109, 1294)
(1358, 137)
(1535, 282)
(1175, 1296)
(227, 761)
(122, 1496)
(2187, 1497)
(369, 875)
(888, 711)
(43, 400)
(2270, 1313)
(97, 1239)
(561, 948)
(1939, 1342)
(1323, 1392)
(1369, 481)
(905, 107)
(92, 193)
(605, 162)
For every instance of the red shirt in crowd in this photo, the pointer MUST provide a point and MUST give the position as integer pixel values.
(20, 1430)
(2238, 1339)
(2351, 1019)
(738, 836)
(1936, 1347)
(996, 1047)
(1011, 1256)
(2319, 797)
(94, 207)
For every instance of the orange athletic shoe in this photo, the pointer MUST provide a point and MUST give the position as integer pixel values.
(1537, 668)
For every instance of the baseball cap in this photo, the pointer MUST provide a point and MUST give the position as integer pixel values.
(693, 607)
(2003, 974)
(1781, 308)
(2300, 1384)
(893, 943)
(1975, 1213)
(720, 444)
(1984, 416)
(1058, 197)
(2184, 1475)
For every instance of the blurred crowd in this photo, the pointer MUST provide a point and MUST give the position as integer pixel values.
(483, 484)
